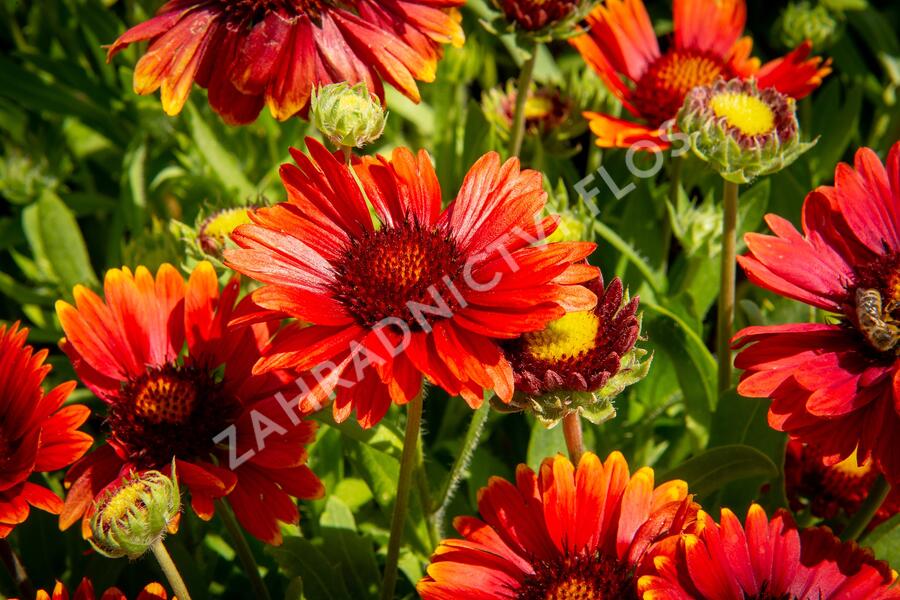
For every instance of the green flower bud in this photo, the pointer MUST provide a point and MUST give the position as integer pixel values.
(135, 513)
(541, 20)
(741, 131)
(801, 21)
(215, 231)
(348, 115)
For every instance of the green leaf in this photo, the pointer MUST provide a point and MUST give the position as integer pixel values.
(710, 470)
(57, 243)
(298, 557)
(224, 164)
(544, 443)
(350, 552)
(885, 541)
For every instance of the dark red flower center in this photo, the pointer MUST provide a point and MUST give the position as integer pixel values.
(533, 15)
(402, 272)
(255, 10)
(583, 577)
(660, 91)
(766, 595)
(171, 411)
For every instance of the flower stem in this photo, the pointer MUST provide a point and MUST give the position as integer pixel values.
(470, 443)
(242, 549)
(861, 519)
(522, 88)
(16, 570)
(574, 439)
(726, 293)
(398, 518)
(170, 570)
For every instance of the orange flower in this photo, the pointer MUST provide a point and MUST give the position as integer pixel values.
(36, 435)
(563, 533)
(85, 591)
(159, 352)
(622, 48)
(253, 52)
(413, 291)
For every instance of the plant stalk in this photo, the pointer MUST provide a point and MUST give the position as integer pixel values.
(727, 289)
(861, 519)
(470, 443)
(170, 570)
(574, 437)
(243, 551)
(517, 134)
(398, 519)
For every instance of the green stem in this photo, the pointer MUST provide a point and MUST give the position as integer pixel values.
(523, 87)
(861, 519)
(726, 293)
(170, 570)
(470, 443)
(243, 551)
(404, 482)
(574, 437)
(20, 577)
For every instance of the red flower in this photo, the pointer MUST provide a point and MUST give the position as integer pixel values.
(622, 48)
(36, 434)
(828, 490)
(834, 385)
(164, 402)
(564, 533)
(427, 292)
(85, 591)
(764, 560)
(253, 52)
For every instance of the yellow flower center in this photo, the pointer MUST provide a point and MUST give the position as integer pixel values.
(570, 336)
(575, 588)
(850, 467)
(538, 107)
(750, 115)
(165, 399)
(221, 225)
(352, 104)
(122, 503)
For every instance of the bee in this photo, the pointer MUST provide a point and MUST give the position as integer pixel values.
(877, 325)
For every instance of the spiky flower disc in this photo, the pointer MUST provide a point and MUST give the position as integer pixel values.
(741, 131)
(135, 513)
(579, 362)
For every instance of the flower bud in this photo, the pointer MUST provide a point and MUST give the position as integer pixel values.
(545, 109)
(801, 21)
(133, 514)
(543, 20)
(580, 362)
(741, 131)
(348, 115)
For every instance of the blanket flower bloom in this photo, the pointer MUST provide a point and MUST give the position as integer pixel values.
(36, 434)
(85, 591)
(202, 407)
(651, 85)
(828, 490)
(763, 560)
(425, 292)
(834, 385)
(248, 53)
(561, 533)
(581, 361)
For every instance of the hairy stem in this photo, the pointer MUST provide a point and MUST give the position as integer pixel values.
(398, 519)
(574, 438)
(726, 291)
(470, 443)
(523, 87)
(170, 570)
(243, 551)
(861, 519)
